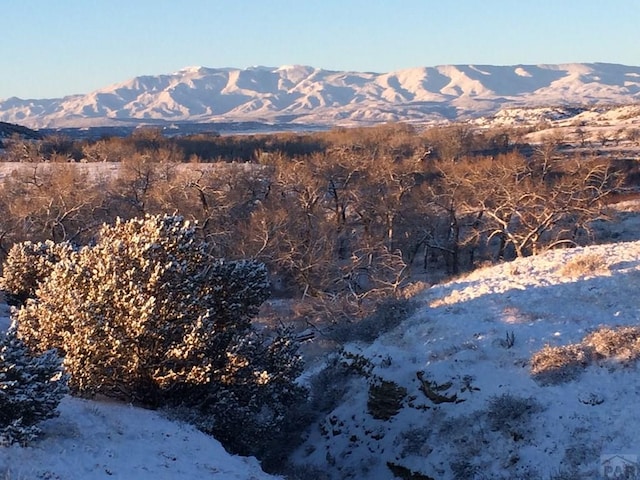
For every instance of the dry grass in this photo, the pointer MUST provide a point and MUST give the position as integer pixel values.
(584, 265)
(553, 365)
(414, 288)
(621, 344)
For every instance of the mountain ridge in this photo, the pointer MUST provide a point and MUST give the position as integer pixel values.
(308, 95)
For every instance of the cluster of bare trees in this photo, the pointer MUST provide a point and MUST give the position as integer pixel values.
(346, 212)
(515, 206)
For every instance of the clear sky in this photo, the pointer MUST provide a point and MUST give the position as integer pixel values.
(52, 48)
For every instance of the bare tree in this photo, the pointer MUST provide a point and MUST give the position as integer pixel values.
(581, 133)
(547, 154)
(633, 135)
(529, 210)
(47, 201)
(452, 142)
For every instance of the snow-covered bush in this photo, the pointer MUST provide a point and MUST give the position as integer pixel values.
(28, 264)
(147, 315)
(510, 414)
(31, 388)
(258, 393)
(143, 310)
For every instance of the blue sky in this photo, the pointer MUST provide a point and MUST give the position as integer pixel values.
(54, 48)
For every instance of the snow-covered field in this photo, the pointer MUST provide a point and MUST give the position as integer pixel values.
(472, 409)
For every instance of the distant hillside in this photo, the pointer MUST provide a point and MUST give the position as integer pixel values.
(9, 129)
(308, 95)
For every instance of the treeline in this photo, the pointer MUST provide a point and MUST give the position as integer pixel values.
(401, 139)
(344, 213)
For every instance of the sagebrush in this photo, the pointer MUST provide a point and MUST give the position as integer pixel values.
(552, 365)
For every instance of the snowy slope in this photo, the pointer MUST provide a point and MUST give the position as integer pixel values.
(615, 116)
(310, 95)
(459, 344)
(98, 440)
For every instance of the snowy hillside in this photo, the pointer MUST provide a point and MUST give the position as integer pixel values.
(8, 130)
(98, 440)
(564, 116)
(451, 392)
(310, 95)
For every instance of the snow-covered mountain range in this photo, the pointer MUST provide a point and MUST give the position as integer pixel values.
(309, 95)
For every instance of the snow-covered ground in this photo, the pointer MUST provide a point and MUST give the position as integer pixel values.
(99, 440)
(472, 408)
